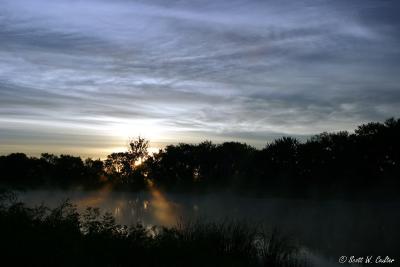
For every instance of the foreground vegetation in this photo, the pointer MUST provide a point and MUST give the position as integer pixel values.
(61, 237)
(365, 163)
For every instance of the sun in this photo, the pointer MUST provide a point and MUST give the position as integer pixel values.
(123, 130)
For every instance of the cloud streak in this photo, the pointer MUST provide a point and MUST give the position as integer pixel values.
(192, 70)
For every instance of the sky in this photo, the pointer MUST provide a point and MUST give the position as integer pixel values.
(81, 77)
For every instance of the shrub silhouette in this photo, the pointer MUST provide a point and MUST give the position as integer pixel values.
(61, 237)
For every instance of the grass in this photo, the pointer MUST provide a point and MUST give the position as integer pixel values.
(61, 237)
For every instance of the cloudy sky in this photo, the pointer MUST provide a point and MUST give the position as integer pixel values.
(81, 77)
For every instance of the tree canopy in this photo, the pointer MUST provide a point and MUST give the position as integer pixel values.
(340, 163)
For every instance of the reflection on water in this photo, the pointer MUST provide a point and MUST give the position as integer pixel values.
(95, 199)
(328, 229)
(165, 211)
(152, 207)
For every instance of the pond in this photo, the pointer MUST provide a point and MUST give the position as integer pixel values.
(326, 229)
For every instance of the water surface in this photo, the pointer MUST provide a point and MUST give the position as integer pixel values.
(326, 229)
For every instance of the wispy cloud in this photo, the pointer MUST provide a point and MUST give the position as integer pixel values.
(192, 70)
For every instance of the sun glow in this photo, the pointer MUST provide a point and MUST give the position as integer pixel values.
(123, 130)
(127, 129)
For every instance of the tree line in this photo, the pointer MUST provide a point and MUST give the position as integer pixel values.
(365, 162)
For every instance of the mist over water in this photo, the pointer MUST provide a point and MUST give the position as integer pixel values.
(327, 229)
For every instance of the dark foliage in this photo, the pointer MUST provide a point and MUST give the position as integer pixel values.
(18, 170)
(61, 237)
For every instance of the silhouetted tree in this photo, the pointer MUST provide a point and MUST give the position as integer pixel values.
(326, 164)
(138, 149)
(124, 168)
